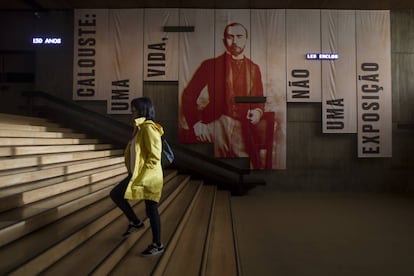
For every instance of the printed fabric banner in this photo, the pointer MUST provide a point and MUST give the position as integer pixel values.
(374, 83)
(339, 111)
(90, 65)
(108, 62)
(268, 48)
(194, 48)
(160, 47)
(224, 99)
(303, 32)
(125, 56)
(238, 68)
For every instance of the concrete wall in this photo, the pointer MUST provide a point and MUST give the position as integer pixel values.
(315, 161)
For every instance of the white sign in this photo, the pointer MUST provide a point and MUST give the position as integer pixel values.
(47, 40)
(322, 56)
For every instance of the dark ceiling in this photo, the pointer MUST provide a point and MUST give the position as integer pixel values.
(42, 5)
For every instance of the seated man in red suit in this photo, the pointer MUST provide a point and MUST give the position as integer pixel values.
(208, 103)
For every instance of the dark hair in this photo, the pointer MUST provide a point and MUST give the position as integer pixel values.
(144, 108)
(233, 25)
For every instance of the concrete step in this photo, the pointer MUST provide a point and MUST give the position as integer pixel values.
(56, 217)
(13, 141)
(8, 163)
(18, 188)
(25, 176)
(10, 122)
(22, 221)
(20, 120)
(31, 150)
(15, 189)
(50, 181)
(53, 165)
(40, 134)
(205, 243)
(126, 260)
(5, 127)
(113, 248)
(221, 254)
(20, 195)
(15, 118)
(185, 251)
(72, 240)
(35, 243)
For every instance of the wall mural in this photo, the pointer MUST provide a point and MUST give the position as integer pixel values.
(232, 86)
(238, 69)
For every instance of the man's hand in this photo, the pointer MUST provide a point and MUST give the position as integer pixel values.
(254, 115)
(201, 132)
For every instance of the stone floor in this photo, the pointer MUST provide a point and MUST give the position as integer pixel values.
(324, 234)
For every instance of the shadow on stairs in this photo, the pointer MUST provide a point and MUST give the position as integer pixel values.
(56, 217)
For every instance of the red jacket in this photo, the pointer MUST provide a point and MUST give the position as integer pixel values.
(214, 74)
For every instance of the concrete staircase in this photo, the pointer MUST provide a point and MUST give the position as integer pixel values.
(56, 217)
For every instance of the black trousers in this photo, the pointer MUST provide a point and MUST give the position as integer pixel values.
(151, 209)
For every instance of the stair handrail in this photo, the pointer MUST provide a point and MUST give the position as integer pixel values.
(121, 132)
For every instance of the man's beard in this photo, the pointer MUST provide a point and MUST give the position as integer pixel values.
(235, 50)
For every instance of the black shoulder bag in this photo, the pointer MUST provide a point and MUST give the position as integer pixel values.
(167, 155)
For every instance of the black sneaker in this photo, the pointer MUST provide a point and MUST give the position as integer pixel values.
(132, 227)
(152, 250)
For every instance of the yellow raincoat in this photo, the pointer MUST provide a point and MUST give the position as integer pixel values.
(146, 170)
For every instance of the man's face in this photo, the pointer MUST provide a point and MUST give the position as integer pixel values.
(235, 40)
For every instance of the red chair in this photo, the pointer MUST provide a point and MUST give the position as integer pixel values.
(261, 138)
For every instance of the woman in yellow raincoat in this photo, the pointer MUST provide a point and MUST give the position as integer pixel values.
(145, 175)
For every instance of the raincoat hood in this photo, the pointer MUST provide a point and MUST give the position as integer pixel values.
(139, 122)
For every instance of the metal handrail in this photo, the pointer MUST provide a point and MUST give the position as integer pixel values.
(119, 132)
